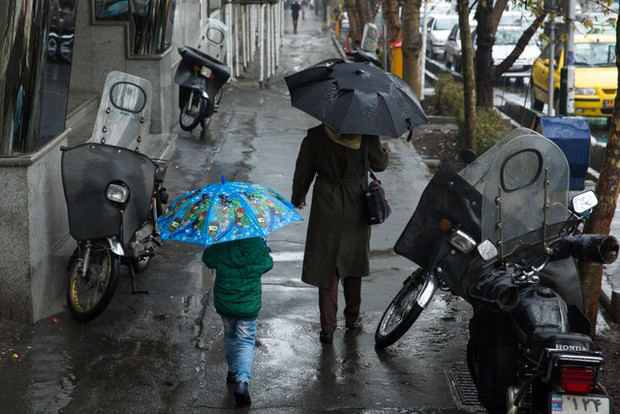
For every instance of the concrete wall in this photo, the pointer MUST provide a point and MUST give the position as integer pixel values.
(34, 235)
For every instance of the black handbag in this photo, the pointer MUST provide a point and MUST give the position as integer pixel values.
(377, 206)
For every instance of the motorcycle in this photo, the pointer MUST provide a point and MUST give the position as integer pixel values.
(502, 235)
(200, 78)
(114, 195)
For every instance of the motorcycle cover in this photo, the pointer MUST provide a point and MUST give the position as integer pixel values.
(447, 196)
(87, 170)
(522, 182)
(188, 77)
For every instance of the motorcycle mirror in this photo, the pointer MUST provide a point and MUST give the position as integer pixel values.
(584, 202)
(467, 156)
(487, 250)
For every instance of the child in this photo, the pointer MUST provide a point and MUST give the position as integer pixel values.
(239, 265)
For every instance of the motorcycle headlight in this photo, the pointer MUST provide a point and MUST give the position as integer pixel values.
(462, 241)
(585, 91)
(205, 71)
(117, 193)
(487, 250)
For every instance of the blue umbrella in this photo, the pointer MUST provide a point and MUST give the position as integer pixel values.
(226, 211)
(116, 9)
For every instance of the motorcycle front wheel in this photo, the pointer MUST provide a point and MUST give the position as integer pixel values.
(193, 112)
(89, 293)
(402, 312)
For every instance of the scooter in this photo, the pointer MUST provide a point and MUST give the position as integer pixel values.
(502, 235)
(200, 78)
(114, 195)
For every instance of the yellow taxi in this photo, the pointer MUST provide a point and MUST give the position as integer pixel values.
(596, 75)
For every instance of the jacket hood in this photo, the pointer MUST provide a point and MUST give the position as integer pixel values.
(239, 253)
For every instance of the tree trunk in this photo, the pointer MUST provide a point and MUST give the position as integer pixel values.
(607, 187)
(485, 39)
(355, 26)
(469, 84)
(412, 45)
(391, 30)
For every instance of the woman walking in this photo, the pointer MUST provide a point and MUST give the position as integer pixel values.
(338, 238)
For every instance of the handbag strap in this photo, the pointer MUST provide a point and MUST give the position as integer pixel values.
(367, 170)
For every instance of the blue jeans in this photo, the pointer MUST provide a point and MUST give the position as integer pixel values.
(239, 338)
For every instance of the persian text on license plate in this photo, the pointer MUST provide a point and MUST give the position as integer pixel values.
(580, 404)
(608, 103)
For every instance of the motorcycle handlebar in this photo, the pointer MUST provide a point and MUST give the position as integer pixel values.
(597, 248)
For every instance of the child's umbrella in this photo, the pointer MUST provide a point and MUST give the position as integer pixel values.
(226, 211)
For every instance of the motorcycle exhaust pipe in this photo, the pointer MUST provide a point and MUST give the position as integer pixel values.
(597, 248)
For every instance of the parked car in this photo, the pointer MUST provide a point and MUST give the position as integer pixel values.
(438, 29)
(506, 39)
(596, 75)
(453, 47)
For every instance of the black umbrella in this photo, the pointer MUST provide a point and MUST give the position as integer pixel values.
(356, 98)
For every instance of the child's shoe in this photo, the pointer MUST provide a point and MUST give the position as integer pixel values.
(242, 394)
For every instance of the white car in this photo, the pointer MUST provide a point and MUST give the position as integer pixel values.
(453, 47)
(506, 39)
(438, 29)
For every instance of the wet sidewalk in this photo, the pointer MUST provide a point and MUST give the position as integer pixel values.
(163, 352)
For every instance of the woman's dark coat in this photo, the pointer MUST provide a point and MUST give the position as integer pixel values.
(338, 237)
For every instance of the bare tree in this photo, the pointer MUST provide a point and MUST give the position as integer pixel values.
(355, 22)
(469, 85)
(607, 187)
(392, 29)
(412, 44)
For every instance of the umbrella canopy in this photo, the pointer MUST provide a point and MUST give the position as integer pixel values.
(225, 211)
(356, 98)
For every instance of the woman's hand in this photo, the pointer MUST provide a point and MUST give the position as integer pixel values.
(386, 147)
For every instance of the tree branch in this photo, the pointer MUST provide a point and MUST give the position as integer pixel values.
(507, 63)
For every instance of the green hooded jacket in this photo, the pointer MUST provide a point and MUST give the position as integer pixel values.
(239, 265)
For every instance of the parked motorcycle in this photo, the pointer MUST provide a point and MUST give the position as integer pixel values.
(502, 235)
(200, 78)
(114, 195)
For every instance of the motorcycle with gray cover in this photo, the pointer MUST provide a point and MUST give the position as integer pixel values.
(503, 235)
(114, 194)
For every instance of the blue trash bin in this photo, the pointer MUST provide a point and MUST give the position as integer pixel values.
(572, 135)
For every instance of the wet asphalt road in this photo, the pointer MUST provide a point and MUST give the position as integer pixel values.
(163, 352)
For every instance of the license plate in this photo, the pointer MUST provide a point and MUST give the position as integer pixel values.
(607, 103)
(580, 404)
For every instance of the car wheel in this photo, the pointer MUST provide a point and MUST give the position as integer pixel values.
(535, 103)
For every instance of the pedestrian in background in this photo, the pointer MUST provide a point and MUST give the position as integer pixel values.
(237, 292)
(304, 7)
(295, 7)
(338, 238)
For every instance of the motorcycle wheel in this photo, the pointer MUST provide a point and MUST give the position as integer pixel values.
(402, 312)
(88, 296)
(193, 112)
(205, 122)
(140, 265)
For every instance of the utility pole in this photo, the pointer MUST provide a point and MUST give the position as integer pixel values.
(567, 74)
(423, 57)
(550, 78)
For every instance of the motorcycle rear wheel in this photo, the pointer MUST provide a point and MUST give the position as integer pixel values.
(402, 312)
(193, 112)
(89, 295)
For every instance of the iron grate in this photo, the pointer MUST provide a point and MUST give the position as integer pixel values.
(463, 388)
